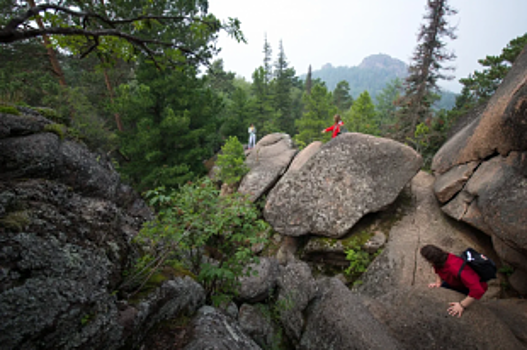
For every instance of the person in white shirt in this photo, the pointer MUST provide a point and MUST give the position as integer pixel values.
(252, 136)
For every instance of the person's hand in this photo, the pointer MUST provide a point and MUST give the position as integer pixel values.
(434, 285)
(323, 131)
(455, 309)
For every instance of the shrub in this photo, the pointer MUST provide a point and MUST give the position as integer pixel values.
(211, 235)
(52, 115)
(15, 221)
(232, 162)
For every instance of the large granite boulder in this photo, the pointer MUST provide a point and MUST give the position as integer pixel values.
(260, 283)
(256, 321)
(268, 161)
(349, 177)
(395, 285)
(211, 329)
(339, 320)
(499, 129)
(482, 170)
(296, 288)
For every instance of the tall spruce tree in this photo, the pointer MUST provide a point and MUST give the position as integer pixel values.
(309, 82)
(421, 89)
(341, 96)
(318, 113)
(282, 86)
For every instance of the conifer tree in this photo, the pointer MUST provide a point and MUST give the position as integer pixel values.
(426, 69)
(282, 86)
(362, 116)
(267, 61)
(341, 96)
(308, 80)
(318, 113)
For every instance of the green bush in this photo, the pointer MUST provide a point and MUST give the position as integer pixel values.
(232, 162)
(210, 235)
(15, 221)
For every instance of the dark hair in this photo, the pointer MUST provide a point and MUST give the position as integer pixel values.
(337, 118)
(434, 255)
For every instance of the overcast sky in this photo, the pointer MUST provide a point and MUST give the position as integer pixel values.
(343, 32)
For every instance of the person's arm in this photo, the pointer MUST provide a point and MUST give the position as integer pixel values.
(457, 308)
(436, 284)
(328, 129)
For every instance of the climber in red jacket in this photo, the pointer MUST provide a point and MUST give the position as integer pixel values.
(335, 127)
(447, 267)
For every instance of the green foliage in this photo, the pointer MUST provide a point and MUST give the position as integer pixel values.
(318, 114)
(9, 110)
(171, 126)
(57, 129)
(386, 106)
(52, 115)
(506, 270)
(15, 221)
(362, 116)
(480, 86)
(359, 259)
(341, 96)
(210, 235)
(232, 162)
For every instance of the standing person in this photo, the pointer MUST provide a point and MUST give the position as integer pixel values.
(252, 136)
(335, 127)
(446, 267)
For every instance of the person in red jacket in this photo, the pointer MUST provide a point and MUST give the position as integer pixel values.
(335, 127)
(446, 267)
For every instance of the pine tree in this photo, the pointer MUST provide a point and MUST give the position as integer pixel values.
(308, 80)
(426, 69)
(362, 116)
(318, 113)
(267, 61)
(341, 96)
(386, 104)
(282, 86)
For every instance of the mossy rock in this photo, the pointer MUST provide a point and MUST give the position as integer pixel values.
(58, 129)
(51, 114)
(15, 221)
(9, 110)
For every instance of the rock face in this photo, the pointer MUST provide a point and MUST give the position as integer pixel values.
(395, 286)
(268, 161)
(482, 170)
(66, 222)
(211, 329)
(349, 177)
(338, 320)
(256, 288)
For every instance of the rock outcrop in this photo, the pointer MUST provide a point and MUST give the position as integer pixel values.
(395, 286)
(349, 177)
(268, 161)
(66, 225)
(211, 329)
(482, 171)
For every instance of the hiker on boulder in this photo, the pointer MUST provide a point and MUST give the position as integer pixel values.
(448, 275)
(252, 136)
(335, 127)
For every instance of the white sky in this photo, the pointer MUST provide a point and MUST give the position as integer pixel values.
(343, 32)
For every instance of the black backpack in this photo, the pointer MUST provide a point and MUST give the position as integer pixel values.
(484, 267)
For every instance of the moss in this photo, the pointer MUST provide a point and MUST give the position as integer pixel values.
(9, 110)
(357, 240)
(58, 129)
(15, 221)
(51, 114)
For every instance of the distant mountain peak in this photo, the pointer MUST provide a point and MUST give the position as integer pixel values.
(383, 61)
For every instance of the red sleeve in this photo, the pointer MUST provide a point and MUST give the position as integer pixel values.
(471, 280)
(330, 128)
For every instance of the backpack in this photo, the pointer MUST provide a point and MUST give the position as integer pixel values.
(484, 267)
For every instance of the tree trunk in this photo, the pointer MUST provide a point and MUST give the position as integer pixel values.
(51, 53)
